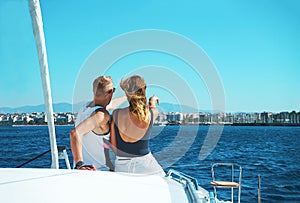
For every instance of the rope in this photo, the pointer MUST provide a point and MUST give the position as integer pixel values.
(59, 148)
(38, 156)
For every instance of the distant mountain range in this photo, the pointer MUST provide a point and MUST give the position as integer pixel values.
(67, 107)
(59, 107)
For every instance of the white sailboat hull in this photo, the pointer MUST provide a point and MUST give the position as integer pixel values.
(52, 185)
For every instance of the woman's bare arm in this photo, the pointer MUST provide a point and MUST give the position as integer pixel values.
(152, 105)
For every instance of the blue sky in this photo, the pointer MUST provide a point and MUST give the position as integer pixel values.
(253, 44)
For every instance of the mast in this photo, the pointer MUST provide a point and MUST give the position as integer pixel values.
(37, 25)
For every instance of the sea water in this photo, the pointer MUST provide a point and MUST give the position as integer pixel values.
(269, 151)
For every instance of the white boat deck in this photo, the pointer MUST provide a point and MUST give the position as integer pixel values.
(52, 185)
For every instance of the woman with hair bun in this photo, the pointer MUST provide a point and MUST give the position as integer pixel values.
(131, 128)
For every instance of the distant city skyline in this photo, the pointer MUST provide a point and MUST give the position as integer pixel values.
(168, 118)
(253, 46)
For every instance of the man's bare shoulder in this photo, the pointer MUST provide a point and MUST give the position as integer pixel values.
(101, 110)
(101, 114)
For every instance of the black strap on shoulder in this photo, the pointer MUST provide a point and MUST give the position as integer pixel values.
(104, 111)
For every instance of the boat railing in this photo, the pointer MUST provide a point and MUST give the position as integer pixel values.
(228, 183)
(190, 184)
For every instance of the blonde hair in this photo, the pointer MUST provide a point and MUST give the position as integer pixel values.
(135, 90)
(102, 84)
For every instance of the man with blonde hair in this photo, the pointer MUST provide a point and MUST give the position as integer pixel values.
(88, 138)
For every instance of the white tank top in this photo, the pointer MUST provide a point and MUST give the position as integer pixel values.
(92, 144)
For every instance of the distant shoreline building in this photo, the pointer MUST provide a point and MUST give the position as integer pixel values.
(167, 118)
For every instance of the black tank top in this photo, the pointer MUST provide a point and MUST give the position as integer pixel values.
(133, 149)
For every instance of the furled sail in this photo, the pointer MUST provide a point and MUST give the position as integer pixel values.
(37, 24)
